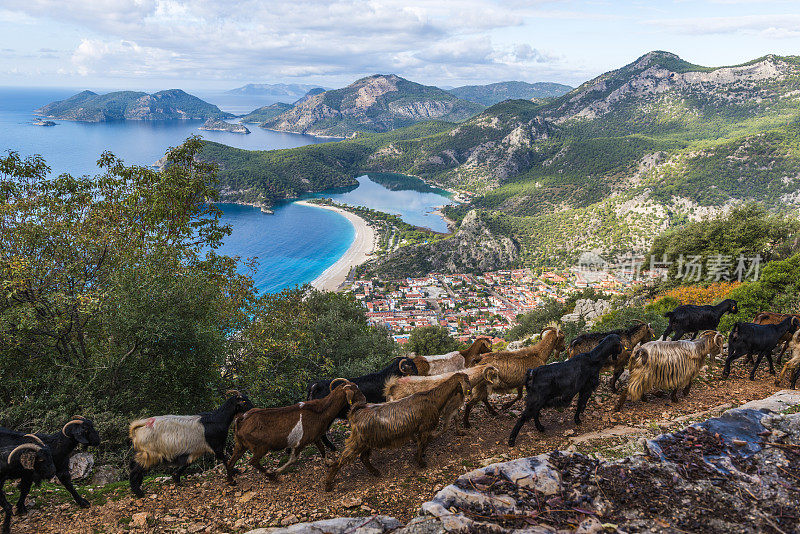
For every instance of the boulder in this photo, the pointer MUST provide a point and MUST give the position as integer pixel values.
(80, 465)
(105, 474)
(341, 525)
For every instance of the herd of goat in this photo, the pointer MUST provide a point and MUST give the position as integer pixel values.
(409, 398)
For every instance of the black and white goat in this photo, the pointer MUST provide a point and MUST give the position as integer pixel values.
(691, 319)
(761, 339)
(556, 384)
(20, 461)
(181, 439)
(77, 431)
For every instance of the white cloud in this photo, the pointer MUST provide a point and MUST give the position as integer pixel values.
(253, 39)
(776, 26)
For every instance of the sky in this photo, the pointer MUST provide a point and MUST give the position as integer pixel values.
(222, 44)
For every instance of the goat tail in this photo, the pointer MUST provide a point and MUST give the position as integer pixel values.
(530, 375)
(147, 458)
(388, 386)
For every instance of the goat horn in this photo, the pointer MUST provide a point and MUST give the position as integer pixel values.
(73, 422)
(335, 380)
(19, 449)
(35, 438)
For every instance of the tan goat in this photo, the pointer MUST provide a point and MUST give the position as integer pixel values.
(478, 376)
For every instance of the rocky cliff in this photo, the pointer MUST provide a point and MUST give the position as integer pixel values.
(376, 103)
(473, 248)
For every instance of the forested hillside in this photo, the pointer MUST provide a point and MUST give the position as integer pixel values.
(610, 164)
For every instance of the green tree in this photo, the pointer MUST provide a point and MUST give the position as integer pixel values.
(428, 340)
(110, 301)
(534, 321)
(301, 334)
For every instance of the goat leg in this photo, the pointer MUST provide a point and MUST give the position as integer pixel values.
(769, 360)
(364, 457)
(422, 442)
(24, 488)
(783, 350)
(614, 377)
(348, 454)
(726, 371)
(686, 389)
(230, 467)
(673, 395)
(510, 403)
(292, 458)
(622, 397)
(583, 399)
(755, 366)
(489, 407)
(320, 447)
(327, 442)
(7, 508)
(136, 476)
(182, 462)
(66, 481)
(794, 377)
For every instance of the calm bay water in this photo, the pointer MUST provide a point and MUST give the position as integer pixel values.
(293, 246)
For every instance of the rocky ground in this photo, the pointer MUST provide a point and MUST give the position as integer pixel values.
(206, 504)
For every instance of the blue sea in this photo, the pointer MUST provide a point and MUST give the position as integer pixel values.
(293, 246)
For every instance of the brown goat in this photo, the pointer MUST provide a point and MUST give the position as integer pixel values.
(640, 332)
(512, 366)
(262, 430)
(776, 318)
(478, 376)
(391, 424)
(793, 362)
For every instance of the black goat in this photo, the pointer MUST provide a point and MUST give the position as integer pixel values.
(761, 339)
(77, 431)
(181, 439)
(371, 385)
(18, 462)
(556, 384)
(691, 319)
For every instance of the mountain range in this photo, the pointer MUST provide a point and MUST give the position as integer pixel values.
(281, 92)
(605, 167)
(132, 105)
(376, 103)
(494, 93)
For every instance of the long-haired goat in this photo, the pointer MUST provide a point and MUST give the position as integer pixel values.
(512, 367)
(262, 430)
(792, 363)
(77, 431)
(24, 460)
(669, 365)
(775, 318)
(181, 439)
(640, 332)
(556, 384)
(751, 339)
(370, 385)
(478, 376)
(692, 319)
(391, 424)
(457, 360)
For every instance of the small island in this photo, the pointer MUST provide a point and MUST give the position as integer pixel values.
(223, 126)
(42, 122)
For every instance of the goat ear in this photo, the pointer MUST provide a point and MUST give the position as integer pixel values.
(349, 394)
(27, 459)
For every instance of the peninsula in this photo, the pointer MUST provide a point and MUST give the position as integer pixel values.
(218, 125)
(361, 249)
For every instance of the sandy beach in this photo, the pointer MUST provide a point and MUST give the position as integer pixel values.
(363, 245)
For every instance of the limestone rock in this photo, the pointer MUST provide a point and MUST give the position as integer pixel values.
(80, 465)
(340, 525)
(105, 474)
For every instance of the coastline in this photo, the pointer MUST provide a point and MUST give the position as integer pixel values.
(360, 250)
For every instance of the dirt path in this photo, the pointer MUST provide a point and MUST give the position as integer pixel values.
(207, 503)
